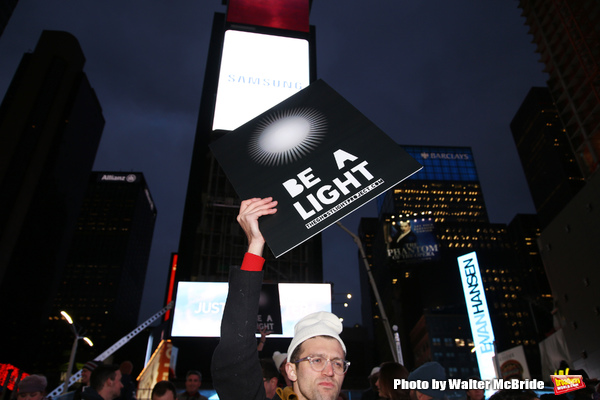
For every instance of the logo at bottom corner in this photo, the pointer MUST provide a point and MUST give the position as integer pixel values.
(567, 383)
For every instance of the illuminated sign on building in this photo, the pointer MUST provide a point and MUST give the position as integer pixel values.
(257, 72)
(199, 306)
(411, 240)
(479, 316)
(129, 178)
(444, 163)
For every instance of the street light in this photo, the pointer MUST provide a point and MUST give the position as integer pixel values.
(78, 332)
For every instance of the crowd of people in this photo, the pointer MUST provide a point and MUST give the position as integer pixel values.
(313, 368)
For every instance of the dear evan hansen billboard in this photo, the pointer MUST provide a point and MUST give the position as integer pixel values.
(318, 156)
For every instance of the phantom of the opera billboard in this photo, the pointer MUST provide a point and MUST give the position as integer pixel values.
(318, 156)
(410, 240)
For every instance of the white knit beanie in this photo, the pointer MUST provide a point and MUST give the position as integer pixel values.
(321, 323)
(278, 358)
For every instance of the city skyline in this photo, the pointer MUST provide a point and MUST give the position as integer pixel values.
(426, 74)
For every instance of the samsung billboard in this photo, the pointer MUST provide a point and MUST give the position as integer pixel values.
(258, 71)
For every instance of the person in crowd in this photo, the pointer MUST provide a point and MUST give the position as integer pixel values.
(372, 393)
(193, 381)
(427, 372)
(280, 361)
(105, 383)
(270, 378)
(514, 394)
(387, 373)
(163, 390)
(129, 383)
(32, 387)
(86, 373)
(263, 338)
(475, 394)
(316, 361)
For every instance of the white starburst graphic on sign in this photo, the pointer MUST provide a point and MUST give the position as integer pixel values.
(287, 136)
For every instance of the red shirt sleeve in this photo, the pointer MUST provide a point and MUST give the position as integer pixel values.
(252, 262)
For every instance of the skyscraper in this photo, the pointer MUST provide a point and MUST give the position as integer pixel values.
(211, 241)
(103, 280)
(249, 67)
(567, 38)
(6, 9)
(50, 126)
(550, 168)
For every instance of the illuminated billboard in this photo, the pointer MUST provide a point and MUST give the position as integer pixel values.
(258, 71)
(410, 240)
(199, 307)
(479, 316)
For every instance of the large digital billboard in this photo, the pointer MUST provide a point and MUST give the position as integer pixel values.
(199, 307)
(257, 72)
(410, 240)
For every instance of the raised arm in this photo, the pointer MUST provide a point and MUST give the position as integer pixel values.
(235, 367)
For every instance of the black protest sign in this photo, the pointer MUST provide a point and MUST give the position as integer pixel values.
(318, 156)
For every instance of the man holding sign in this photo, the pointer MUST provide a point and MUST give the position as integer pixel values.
(316, 362)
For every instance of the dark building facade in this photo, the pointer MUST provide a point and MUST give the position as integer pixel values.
(443, 206)
(50, 126)
(567, 38)
(103, 280)
(6, 9)
(550, 167)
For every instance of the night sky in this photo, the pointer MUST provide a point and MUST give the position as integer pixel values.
(427, 72)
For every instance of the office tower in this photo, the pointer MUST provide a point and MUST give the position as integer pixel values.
(50, 126)
(550, 168)
(444, 207)
(103, 280)
(211, 240)
(6, 9)
(567, 38)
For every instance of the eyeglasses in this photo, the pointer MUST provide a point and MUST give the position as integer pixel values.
(318, 364)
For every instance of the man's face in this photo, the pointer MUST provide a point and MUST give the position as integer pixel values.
(117, 385)
(192, 383)
(85, 376)
(270, 387)
(312, 385)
